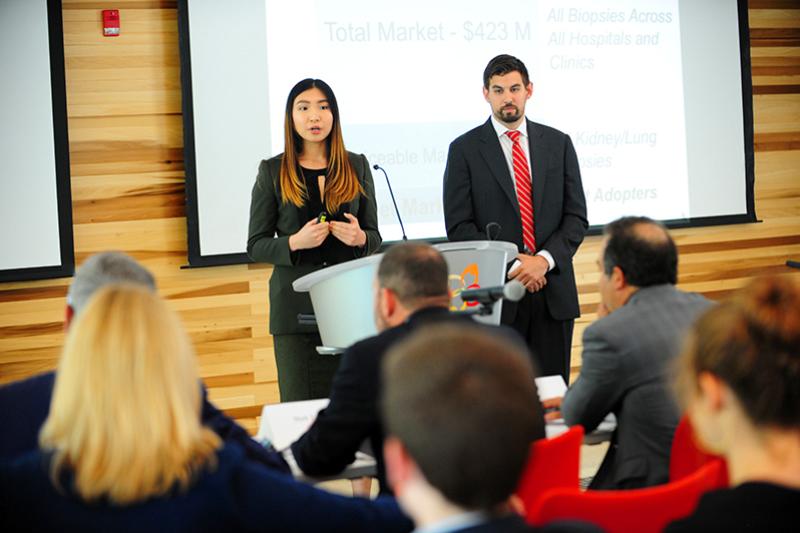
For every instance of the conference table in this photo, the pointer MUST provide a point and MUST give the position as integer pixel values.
(283, 423)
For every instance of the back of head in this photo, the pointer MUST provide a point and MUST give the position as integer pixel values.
(124, 416)
(415, 272)
(104, 269)
(643, 249)
(502, 65)
(752, 343)
(463, 402)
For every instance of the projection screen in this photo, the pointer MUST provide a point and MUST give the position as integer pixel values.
(656, 96)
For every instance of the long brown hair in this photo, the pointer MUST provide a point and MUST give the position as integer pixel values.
(752, 343)
(341, 182)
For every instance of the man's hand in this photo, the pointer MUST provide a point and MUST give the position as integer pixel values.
(552, 407)
(531, 272)
(310, 236)
(349, 233)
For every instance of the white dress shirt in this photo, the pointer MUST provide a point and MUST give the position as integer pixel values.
(507, 145)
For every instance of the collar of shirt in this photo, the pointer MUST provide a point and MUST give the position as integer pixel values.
(501, 128)
(455, 523)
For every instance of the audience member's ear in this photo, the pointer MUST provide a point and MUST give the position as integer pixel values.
(388, 302)
(709, 411)
(69, 314)
(398, 463)
(618, 278)
(712, 391)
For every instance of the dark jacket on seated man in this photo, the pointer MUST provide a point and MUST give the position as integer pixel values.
(236, 495)
(25, 404)
(352, 416)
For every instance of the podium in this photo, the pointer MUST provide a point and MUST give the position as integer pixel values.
(473, 265)
(342, 299)
(342, 295)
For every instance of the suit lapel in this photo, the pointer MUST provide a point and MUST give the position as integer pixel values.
(492, 152)
(538, 153)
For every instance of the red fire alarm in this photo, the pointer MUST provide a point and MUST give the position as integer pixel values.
(111, 22)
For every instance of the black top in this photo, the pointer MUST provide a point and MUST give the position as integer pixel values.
(749, 507)
(332, 251)
(311, 179)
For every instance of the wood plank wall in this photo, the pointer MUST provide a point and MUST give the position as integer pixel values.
(125, 130)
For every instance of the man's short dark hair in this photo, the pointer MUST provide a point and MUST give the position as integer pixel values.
(463, 402)
(413, 271)
(643, 249)
(502, 65)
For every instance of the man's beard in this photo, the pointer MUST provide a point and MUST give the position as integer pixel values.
(512, 117)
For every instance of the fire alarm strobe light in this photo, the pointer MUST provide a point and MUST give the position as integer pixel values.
(111, 22)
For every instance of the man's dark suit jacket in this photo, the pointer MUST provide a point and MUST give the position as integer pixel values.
(479, 189)
(353, 415)
(25, 404)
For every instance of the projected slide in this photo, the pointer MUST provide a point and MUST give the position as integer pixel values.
(408, 79)
(650, 92)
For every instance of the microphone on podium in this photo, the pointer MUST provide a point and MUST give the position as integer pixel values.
(396, 210)
(513, 291)
(493, 230)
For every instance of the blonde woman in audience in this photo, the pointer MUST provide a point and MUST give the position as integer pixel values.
(741, 383)
(123, 448)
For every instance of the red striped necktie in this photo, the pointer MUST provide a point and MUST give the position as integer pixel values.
(522, 178)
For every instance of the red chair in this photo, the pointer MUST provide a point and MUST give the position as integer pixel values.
(553, 463)
(686, 456)
(641, 510)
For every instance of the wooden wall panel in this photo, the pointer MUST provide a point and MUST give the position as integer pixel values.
(125, 130)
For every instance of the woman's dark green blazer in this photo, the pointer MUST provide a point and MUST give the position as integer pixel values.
(271, 224)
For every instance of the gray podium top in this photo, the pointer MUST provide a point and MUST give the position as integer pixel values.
(342, 294)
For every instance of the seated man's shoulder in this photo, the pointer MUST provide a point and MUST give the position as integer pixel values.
(47, 379)
(36, 388)
(374, 346)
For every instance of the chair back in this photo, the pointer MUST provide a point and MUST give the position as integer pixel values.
(553, 463)
(686, 456)
(646, 510)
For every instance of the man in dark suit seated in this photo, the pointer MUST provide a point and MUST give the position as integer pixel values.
(461, 411)
(412, 290)
(24, 404)
(628, 353)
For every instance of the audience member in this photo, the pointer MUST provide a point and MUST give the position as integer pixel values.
(461, 411)
(411, 291)
(123, 448)
(740, 380)
(628, 351)
(24, 404)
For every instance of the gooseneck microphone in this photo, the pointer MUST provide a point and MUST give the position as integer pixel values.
(513, 291)
(493, 230)
(396, 210)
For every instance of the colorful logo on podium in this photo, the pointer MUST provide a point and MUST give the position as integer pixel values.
(468, 279)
